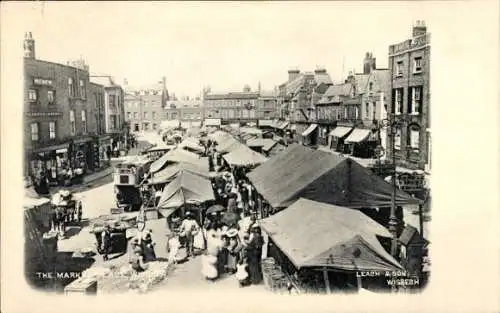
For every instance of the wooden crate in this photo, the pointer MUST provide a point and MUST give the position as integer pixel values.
(82, 286)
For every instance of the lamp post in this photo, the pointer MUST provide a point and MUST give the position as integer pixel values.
(393, 125)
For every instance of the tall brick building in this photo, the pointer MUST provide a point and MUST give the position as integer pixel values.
(61, 130)
(144, 105)
(409, 62)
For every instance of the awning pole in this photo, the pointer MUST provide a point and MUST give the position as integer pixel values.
(327, 281)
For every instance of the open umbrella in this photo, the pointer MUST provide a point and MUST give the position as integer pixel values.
(230, 219)
(215, 209)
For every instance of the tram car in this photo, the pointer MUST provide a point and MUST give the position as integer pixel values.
(128, 177)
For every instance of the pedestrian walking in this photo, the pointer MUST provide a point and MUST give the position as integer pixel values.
(106, 242)
(189, 228)
(254, 254)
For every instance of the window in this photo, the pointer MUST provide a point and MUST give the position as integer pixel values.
(397, 140)
(417, 65)
(113, 121)
(111, 100)
(416, 100)
(84, 122)
(71, 90)
(345, 113)
(34, 131)
(135, 115)
(129, 115)
(145, 115)
(154, 126)
(174, 116)
(154, 115)
(414, 137)
(356, 113)
(72, 121)
(145, 103)
(32, 95)
(370, 86)
(52, 130)
(367, 110)
(82, 89)
(398, 101)
(399, 68)
(374, 110)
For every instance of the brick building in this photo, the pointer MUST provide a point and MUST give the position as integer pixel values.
(144, 105)
(60, 128)
(189, 112)
(231, 107)
(409, 62)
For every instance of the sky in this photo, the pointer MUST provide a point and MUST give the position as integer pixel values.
(224, 45)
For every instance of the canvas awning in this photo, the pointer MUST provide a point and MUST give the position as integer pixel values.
(357, 135)
(186, 188)
(170, 172)
(309, 130)
(301, 172)
(31, 202)
(341, 238)
(340, 131)
(251, 130)
(244, 156)
(161, 147)
(177, 156)
(191, 144)
(265, 143)
(228, 145)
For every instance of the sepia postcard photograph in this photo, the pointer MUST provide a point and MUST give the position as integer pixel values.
(274, 149)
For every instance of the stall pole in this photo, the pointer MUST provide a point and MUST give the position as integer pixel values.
(327, 280)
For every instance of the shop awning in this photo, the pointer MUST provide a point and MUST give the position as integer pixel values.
(357, 135)
(309, 130)
(82, 140)
(51, 148)
(340, 131)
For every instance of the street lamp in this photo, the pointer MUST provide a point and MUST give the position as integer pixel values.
(393, 126)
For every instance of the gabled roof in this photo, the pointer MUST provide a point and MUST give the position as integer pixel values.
(321, 176)
(244, 156)
(343, 238)
(177, 156)
(186, 188)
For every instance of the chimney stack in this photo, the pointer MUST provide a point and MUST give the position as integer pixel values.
(292, 74)
(29, 46)
(419, 29)
(369, 63)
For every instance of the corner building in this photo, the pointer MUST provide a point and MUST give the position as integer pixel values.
(409, 62)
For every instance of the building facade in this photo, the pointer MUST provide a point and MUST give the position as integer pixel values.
(189, 112)
(409, 62)
(144, 105)
(232, 107)
(61, 131)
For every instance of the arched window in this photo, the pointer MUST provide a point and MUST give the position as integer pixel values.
(414, 136)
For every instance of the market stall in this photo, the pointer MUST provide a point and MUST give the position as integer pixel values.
(342, 240)
(177, 156)
(170, 172)
(192, 145)
(244, 156)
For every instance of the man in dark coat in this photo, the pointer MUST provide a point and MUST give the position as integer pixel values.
(254, 254)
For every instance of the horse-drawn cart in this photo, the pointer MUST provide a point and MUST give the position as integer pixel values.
(66, 209)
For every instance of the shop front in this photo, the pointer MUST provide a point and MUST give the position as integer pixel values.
(310, 135)
(361, 142)
(104, 146)
(337, 137)
(48, 162)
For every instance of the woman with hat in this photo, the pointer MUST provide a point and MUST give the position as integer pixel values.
(137, 259)
(254, 253)
(234, 248)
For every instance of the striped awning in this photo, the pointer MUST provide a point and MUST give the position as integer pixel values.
(357, 135)
(340, 131)
(309, 130)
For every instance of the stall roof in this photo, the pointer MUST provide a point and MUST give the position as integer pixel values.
(317, 175)
(228, 145)
(170, 172)
(161, 147)
(265, 143)
(177, 156)
(186, 188)
(243, 156)
(192, 144)
(251, 130)
(339, 237)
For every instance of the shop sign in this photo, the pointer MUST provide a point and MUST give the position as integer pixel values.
(42, 81)
(44, 114)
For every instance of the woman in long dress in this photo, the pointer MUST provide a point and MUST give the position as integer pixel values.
(209, 261)
(254, 253)
(234, 249)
